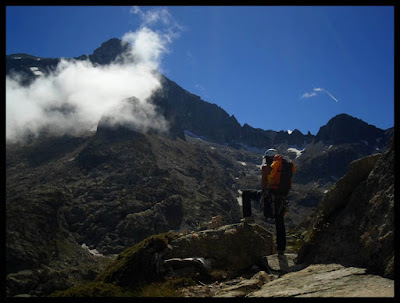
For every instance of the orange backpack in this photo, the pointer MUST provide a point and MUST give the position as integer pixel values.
(280, 177)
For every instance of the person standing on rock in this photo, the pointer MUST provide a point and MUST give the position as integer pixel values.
(276, 180)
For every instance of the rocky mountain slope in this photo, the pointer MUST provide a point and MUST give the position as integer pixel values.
(221, 266)
(74, 202)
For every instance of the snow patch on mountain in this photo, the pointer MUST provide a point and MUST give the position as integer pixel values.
(239, 199)
(94, 252)
(193, 135)
(35, 70)
(297, 151)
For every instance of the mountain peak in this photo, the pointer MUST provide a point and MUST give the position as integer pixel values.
(344, 128)
(109, 51)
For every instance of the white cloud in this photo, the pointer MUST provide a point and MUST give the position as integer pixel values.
(308, 95)
(147, 45)
(159, 17)
(189, 58)
(200, 87)
(77, 95)
(153, 16)
(158, 26)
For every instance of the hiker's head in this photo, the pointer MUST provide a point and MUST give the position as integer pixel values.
(269, 155)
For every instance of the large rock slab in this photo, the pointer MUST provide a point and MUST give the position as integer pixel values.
(240, 289)
(327, 280)
(235, 246)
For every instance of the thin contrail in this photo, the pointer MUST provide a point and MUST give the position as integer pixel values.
(322, 89)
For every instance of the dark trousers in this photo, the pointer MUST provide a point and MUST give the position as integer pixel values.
(249, 195)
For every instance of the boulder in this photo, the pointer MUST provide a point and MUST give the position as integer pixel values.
(236, 246)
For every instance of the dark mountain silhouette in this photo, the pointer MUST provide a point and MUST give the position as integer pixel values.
(347, 129)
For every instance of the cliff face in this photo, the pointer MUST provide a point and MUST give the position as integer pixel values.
(356, 224)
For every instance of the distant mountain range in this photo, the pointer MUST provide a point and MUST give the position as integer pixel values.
(188, 112)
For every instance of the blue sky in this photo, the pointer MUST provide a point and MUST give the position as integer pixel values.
(271, 67)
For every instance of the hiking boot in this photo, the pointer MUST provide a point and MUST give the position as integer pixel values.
(264, 264)
(283, 262)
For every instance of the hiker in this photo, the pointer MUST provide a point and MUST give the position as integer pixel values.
(276, 179)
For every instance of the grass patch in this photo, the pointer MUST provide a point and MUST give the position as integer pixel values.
(94, 289)
(220, 274)
(168, 288)
(66, 247)
(295, 244)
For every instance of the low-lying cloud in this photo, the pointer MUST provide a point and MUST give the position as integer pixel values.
(74, 97)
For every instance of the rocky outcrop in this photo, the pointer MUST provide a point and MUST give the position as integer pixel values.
(357, 216)
(163, 216)
(234, 247)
